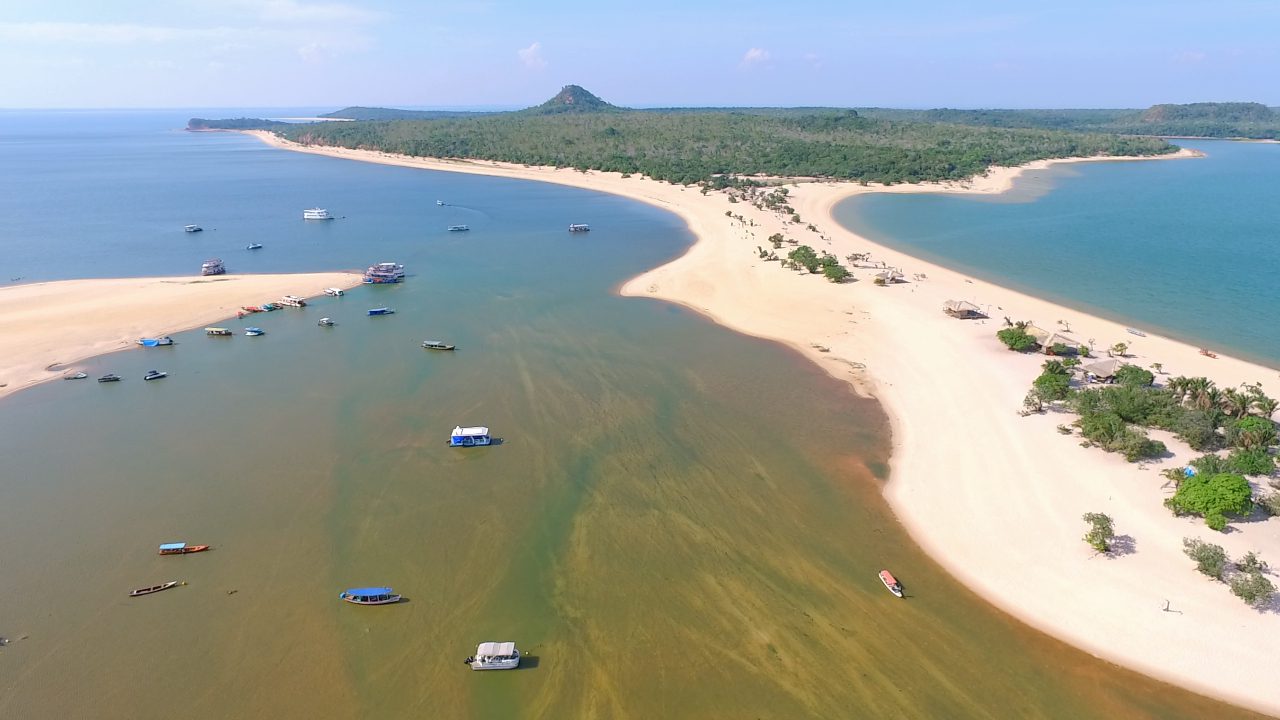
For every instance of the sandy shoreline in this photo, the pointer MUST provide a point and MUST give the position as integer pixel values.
(58, 324)
(995, 497)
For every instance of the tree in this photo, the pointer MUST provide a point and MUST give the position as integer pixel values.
(1210, 559)
(1101, 531)
(1016, 338)
(805, 257)
(1197, 428)
(1212, 497)
(1052, 386)
(1253, 587)
(835, 273)
(1134, 376)
(1251, 432)
(1158, 367)
(1055, 367)
(776, 239)
(1119, 349)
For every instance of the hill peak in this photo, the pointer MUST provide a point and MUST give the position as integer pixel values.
(573, 99)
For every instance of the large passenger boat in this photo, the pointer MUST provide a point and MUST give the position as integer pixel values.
(386, 272)
(213, 266)
(470, 436)
(316, 213)
(370, 596)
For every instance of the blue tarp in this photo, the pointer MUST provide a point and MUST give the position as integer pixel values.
(173, 546)
(368, 591)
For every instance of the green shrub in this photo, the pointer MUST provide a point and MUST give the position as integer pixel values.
(1251, 432)
(1210, 559)
(1052, 386)
(1253, 587)
(1015, 338)
(1101, 531)
(1209, 465)
(1196, 428)
(1255, 461)
(1212, 497)
(1134, 376)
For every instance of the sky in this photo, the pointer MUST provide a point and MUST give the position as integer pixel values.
(656, 53)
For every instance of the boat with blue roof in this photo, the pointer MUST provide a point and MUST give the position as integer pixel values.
(181, 548)
(370, 596)
(381, 311)
(470, 437)
(163, 341)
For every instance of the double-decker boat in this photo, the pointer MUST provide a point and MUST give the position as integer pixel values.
(217, 332)
(495, 656)
(293, 301)
(470, 437)
(181, 548)
(370, 596)
(316, 213)
(213, 266)
(386, 272)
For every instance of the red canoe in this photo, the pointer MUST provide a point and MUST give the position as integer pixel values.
(891, 582)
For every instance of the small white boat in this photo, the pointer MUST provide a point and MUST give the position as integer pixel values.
(579, 227)
(254, 331)
(154, 588)
(470, 437)
(253, 246)
(458, 228)
(76, 376)
(334, 292)
(439, 202)
(1135, 331)
(370, 596)
(495, 656)
(155, 375)
(316, 214)
(192, 228)
(325, 322)
(436, 345)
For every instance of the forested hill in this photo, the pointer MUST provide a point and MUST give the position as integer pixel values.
(1218, 120)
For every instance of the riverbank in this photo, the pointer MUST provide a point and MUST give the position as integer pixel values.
(993, 496)
(46, 328)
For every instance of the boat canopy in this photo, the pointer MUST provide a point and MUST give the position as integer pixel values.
(470, 431)
(173, 546)
(369, 592)
(492, 649)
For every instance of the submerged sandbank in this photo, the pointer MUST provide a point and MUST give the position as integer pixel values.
(995, 497)
(45, 328)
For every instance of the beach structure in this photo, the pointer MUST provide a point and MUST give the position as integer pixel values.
(383, 273)
(1048, 340)
(1103, 371)
(495, 656)
(470, 437)
(891, 276)
(962, 309)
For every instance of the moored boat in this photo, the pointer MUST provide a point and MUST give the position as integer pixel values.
(436, 345)
(253, 246)
(325, 322)
(155, 342)
(293, 301)
(470, 437)
(891, 582)
(1135, 331)
(76, 376)
(579, 227)
(155, 375)
(254, 331)
(213, 266)
(370, 596)
(251, 308)
(217, 332)
(381, 311)
(458, 228)
(192, 228)
(439, 202)
(109, 377)
(333, 292)
(316, 213)
(495, 656)
(181, 548)
(153, 589)
(383, 273)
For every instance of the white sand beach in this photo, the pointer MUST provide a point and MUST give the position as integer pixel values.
(46, 328)
(994, 496)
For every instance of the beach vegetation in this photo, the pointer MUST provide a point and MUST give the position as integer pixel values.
(1251, 432)
(1052, 387)
(1061, 350)
(1119, 348)
(835, 273)
(1212, 497)
(1210, 559)
(1101, 531)
(1158, 367)
(1015, 338)
(880, 281)
(1211, 465)
(1134, 375)
(1253, 587)
(1253, 461)
(805, 257)
(1270, 503)
(1055, 367)
(1251, 563)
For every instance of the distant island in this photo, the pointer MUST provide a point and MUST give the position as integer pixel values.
(579, 130)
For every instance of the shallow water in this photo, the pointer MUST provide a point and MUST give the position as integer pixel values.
(679, 522)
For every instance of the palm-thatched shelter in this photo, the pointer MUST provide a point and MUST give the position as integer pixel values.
(962, 309)
(1049, 340)
(1103, 370)
(891, 276)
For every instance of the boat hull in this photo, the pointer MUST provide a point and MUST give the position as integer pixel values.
(186, 550)
(511, 664)
(153, 589)
(392, 600)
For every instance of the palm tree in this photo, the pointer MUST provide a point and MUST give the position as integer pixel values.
(1233, 402)
(1264, 406)
(1179, 386)
(1202, 393)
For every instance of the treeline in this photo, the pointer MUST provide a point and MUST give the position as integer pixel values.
(1216, 120)
(233, 124)
(690, 147)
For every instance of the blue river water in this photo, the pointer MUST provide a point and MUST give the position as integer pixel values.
(1186, 248)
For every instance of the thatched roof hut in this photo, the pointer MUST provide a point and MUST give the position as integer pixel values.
(1048, 340)
(962, 309)
(891, 276)
(1103, 370)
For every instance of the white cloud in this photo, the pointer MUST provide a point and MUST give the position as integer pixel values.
(754, 57)
(532, 56)
(291, 11)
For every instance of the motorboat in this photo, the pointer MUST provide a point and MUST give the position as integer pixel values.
(316, 214)
(155, 342)
(470, 437)
(334, 292)
(253, 246)
(153, 589)
(213, 266)
(109, 377)
(381, 311)
(254, 331)
(217, 332)
(325, 322)
(495, 656)
(439, 202)
(458, 228)
(293, 301)
(383, 273)
(579, 227)
(370, 596)
(76, 376)
(181, 548)
(436, 345)
(155, 375)
(251, 308)
(192, 228)
(891, 582)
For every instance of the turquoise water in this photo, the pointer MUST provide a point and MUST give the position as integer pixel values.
(660, 528)
(1186, 248)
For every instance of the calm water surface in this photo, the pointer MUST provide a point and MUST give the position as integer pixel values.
(680, 521)
(1188, 248)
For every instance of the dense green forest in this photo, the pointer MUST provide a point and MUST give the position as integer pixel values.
(577, 129)
(1218, 120)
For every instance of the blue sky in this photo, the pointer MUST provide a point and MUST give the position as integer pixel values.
(928, 53)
